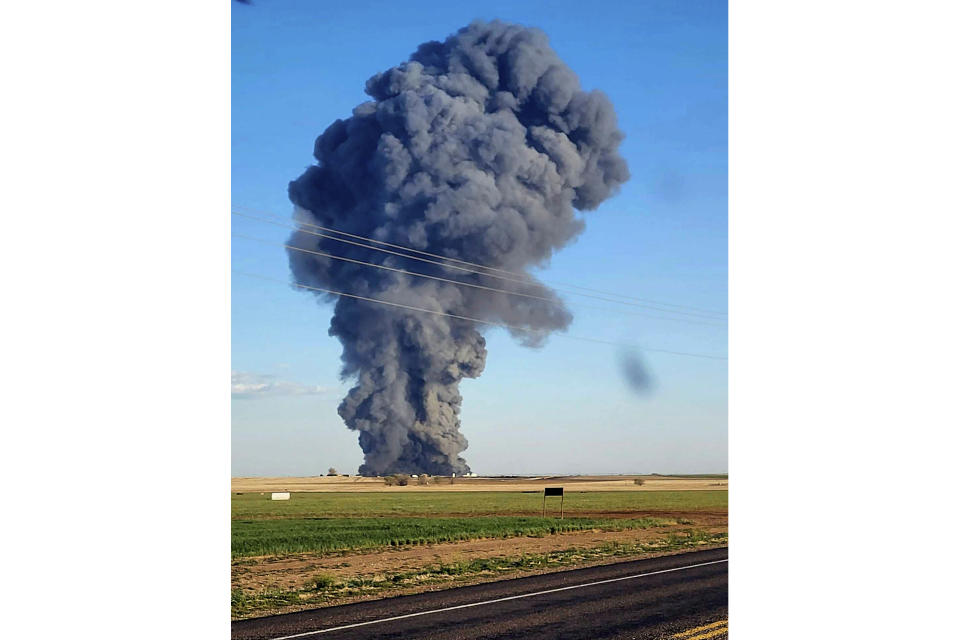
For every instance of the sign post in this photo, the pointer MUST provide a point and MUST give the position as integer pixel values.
(552, 491)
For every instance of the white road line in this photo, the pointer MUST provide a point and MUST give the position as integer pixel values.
(477, 604)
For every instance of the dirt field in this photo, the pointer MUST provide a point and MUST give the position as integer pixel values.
(571, 483)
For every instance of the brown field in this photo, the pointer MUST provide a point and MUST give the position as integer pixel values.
(572, 483)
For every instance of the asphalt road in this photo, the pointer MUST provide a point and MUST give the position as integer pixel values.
(682, 596)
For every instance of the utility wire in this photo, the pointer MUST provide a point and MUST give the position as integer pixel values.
(466, 284)
(478, 320)
(480, 266)
(452, 266)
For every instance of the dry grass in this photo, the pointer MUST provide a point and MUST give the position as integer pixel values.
(571, 483)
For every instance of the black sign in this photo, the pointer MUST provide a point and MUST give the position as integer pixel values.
(552, 491)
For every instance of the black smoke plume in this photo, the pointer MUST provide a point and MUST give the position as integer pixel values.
(478, 148)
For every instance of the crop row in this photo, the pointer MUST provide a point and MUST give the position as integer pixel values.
(328, 535)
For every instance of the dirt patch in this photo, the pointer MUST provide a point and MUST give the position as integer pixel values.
(291, 572)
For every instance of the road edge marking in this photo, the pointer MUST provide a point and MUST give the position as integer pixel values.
(719, 631)
(478, 604)
(696, 632)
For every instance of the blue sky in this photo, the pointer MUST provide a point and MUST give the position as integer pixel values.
(563, 408)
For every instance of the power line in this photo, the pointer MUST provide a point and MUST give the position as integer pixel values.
(481, 266)
(465, 269)
(478, 320)
(467, 284)
(395, 246)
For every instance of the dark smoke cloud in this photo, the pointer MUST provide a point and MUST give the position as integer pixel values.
(635, 372)
(478, 148)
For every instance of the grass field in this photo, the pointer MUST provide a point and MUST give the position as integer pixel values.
(489, 503)
(324, 535)
(341, 539)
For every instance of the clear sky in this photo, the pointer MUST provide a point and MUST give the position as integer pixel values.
(562, 408)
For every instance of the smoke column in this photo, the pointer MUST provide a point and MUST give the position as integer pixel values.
(478, 148)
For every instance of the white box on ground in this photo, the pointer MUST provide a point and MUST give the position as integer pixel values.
(285, 495)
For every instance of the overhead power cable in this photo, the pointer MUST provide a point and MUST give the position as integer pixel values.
(467, 284)
(478, 320)
(469, 270)
(481, 266)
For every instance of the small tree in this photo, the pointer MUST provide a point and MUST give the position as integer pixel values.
(331, 471)
(423, 480)
(397, 480)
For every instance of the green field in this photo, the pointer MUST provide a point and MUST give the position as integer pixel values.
(399, 502)
(325, 535)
